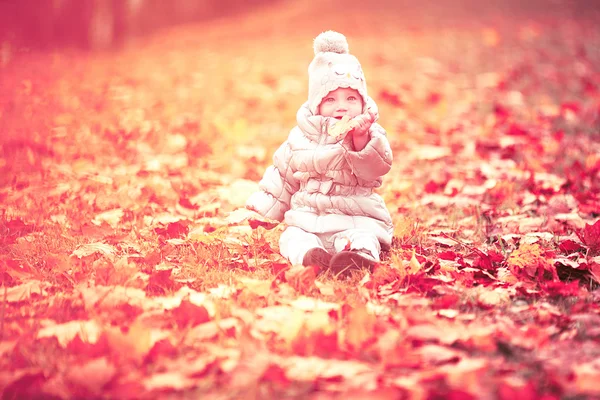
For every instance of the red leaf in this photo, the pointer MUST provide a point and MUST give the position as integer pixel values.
(445, 301)
(391, 98)
(516, 130)
(447, 255)
(569, 246)
(590, 236)
(570, 106)
(382, 274)
(274, 373)
(12, 230)
(487, 261)
(432, 186)
(161, 282)
(434, 98)
(174, 229)
(189, 314)
(255, 223)
(501, 111)
(561, 288)
(302, 278)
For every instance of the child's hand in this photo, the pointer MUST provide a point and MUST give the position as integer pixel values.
(363, 123)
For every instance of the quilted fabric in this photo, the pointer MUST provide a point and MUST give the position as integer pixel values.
(319, 184)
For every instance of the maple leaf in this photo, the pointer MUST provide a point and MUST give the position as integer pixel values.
(302, 278)
(569, 246)
(228, 327)
(361, 328)
(111, 217)
(590, 236)
(254, 219)
(136, 342)
(95, 248)
(342, 127)
(188, 314)
(173, 230)
(319, 336)
(161, 282)
(382, 275)
(529, 261)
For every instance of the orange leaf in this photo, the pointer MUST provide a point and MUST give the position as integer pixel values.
(529, 261)
(136, 342)
(188, 314)
(361, 328)
(302, 278)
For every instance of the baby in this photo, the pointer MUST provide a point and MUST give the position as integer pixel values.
(322, 178)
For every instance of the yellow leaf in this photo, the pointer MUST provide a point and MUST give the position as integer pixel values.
(199, 236)
(529, 258)
(23, 292)
(293, 326)
(414, 265)
(111, 217)
(136, 342)
(343, 126)
(88, 331)
(259, 287)
(361, 327)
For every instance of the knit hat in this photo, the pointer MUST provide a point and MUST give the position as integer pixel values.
(333, 67)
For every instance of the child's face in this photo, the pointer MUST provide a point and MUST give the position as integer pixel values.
(340, 102)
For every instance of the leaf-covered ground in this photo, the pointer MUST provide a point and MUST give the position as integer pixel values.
(128, 273)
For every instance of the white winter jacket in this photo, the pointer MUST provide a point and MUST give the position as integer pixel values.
(319, 184)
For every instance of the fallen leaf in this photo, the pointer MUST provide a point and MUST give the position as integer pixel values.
(95, 248)
(433, 354)
(136, 342)
(255, 220)
(587, 376)
(93, 376)
(111, 217)
(414, 266)
(529, 261)
(590, 236)
(24, 291)
(259, 287)
(88, 332)
(301, 278)
(173, 380)
(361, 328)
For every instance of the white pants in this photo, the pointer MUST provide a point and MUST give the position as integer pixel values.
(295, 242)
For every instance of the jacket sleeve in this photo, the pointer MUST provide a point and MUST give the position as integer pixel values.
(276, 187)
(375, 160)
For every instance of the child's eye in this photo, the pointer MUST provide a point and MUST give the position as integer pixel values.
(352, 98)
(329, 100)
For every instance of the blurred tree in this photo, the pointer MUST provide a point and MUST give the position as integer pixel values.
(95, 24)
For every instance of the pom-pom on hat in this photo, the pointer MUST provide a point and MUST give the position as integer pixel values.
(333, 67)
